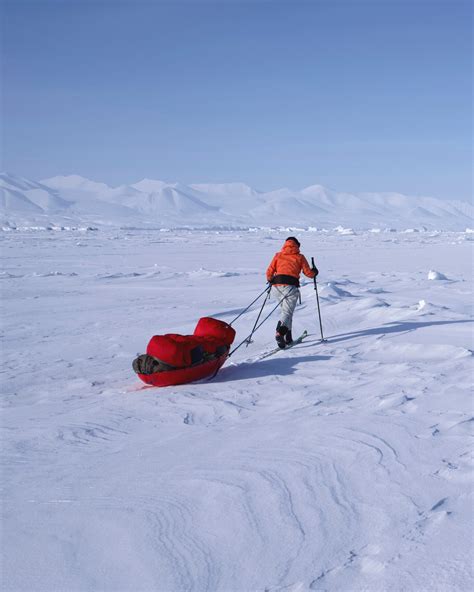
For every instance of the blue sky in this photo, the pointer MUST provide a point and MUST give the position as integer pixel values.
(355, 95)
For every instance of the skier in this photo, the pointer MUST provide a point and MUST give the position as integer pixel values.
(283, 274)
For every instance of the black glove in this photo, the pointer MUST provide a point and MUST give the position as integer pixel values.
(315, 270)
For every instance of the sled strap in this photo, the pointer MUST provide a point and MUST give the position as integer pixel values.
(267, 289)
(249, 340)
(259, 325)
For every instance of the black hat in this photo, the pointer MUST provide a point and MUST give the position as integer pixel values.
(295, 240)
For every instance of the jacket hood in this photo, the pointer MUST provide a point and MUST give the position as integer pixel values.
(290, 247)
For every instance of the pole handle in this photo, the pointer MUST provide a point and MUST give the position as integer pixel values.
(314, 279)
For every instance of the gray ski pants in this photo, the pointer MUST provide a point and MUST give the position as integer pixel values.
(290, 296)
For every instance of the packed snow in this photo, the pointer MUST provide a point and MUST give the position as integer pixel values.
(339, 466)
(74, 201)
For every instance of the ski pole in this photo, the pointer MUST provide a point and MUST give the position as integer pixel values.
(317, 300)
(246, 309)
(259, 325)
(255, 328)
(249, 338)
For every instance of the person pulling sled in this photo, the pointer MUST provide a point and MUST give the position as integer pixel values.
(283, 274)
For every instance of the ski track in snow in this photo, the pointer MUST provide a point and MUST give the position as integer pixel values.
(340, 466)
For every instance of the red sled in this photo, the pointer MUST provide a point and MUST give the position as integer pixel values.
(173, 359)
(184, 375)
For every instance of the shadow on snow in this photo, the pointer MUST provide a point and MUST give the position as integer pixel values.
(280, 366)
(395, 327)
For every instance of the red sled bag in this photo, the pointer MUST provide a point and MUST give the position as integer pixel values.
(176, 350)
(221, 331)
(178, 359)
(210, 344)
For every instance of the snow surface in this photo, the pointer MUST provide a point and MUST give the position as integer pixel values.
(344, 466)
(73, 201)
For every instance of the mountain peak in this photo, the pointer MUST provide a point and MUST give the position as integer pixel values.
(314, 189)
(74, 182)
(149, 185)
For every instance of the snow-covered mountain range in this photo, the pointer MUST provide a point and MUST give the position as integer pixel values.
(74, 200)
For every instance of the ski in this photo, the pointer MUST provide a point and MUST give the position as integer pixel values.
(278, 349)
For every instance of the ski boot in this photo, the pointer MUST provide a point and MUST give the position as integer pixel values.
(281, 331)
(288, 337)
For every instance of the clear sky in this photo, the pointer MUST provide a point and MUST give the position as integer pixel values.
(356, 95)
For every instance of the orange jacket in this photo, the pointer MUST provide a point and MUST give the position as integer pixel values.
(289, 261)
